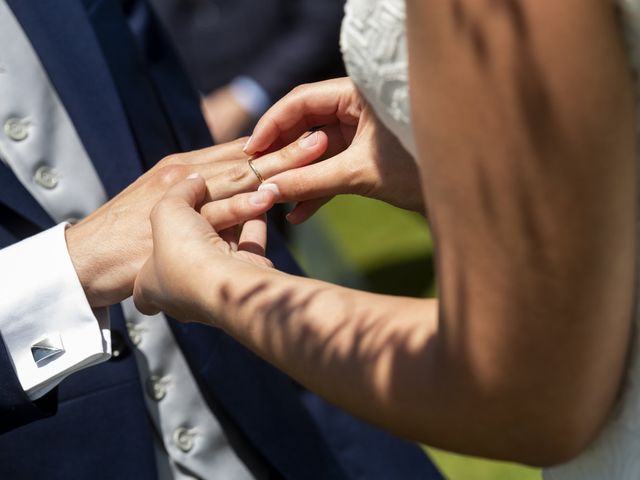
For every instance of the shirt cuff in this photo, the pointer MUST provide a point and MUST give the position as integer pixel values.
(248, 93)
(46, 322)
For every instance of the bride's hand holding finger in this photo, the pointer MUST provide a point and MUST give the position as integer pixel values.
(187, 243)
(362, 157)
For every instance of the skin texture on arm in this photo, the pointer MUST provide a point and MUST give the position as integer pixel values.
(524, 117)
(527, 159)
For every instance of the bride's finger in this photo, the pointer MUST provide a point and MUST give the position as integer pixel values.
(304, 107)
(180, 199)
(253, 238)
(303, 211)
(223, 214)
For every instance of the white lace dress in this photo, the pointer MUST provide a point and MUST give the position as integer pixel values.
(374, 47)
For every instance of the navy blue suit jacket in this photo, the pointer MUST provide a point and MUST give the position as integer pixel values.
(130, 105)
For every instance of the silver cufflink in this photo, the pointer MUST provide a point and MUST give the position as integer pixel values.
(47, 350)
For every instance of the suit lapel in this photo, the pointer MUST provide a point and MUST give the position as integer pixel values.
(65, 42)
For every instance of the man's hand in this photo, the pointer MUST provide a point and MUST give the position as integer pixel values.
(363, 157)
(109, 247)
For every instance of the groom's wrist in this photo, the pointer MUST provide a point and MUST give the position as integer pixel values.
(94, 268)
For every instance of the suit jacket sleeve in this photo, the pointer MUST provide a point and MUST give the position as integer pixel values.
(309, 47)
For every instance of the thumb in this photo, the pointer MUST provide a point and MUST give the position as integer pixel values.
(146, 284)
(191, 191)
(180, 199)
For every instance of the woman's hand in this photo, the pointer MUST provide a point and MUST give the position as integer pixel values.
(363, 156)
(186, 245)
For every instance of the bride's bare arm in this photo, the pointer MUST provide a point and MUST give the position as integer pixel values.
(524, 117)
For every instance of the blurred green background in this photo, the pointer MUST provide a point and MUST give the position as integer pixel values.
(366, 244)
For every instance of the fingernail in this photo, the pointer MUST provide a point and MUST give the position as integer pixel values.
(260, 198)
(272, 187)
(193, 176)
(309, 141)
(246, 145)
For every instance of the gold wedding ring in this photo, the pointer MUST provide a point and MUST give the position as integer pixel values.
(255, 170)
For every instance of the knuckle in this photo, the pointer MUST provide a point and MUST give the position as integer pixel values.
(240, 142)
(169, 175)
(237, 206)
(210, 211)
(295, 96)
(301, 89)
(239, 172)
(297, 91)
(289, 155)
(172, 159)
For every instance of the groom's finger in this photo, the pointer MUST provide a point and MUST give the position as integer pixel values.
(223, 214)
(208, 155)
(253, 238)
(309, 148)
(320, 180)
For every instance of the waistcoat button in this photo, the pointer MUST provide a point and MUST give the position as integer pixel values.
(184, 439)
(16, 129)
(135, 333)
(46, 177)
(157, 387)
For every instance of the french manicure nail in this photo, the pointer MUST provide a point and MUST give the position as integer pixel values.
(193, 176)
(272, 187)
(259, 198)
(309, 141)
(246, 145)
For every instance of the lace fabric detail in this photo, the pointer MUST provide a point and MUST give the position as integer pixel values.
(374, 47)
